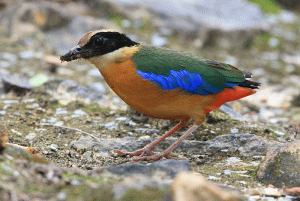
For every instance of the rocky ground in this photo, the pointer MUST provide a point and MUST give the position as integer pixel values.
(74, 121)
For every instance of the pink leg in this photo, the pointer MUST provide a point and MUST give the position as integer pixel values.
(147, 149)
(170, 149)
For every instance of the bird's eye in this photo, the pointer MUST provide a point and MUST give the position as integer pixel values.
(98, 41)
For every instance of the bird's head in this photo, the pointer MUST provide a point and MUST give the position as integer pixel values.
(99, 45)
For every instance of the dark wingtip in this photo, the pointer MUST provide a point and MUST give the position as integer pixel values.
(250, 84)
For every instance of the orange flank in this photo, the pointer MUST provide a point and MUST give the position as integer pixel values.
(145, 97)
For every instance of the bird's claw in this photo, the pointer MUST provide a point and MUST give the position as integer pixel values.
(139, 155)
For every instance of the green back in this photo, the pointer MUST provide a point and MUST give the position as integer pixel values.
(161, 60)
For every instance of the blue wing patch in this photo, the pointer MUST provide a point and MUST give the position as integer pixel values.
(191, 82)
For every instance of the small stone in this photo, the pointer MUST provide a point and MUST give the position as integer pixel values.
(94, 73)
(17, 114)
(30, 136)
(40, 110)
(16, 132)
(9, 56)
(2, 112)
(59, 123)
(79, 112)
(280, 139)
(27, 54)
(53, 147)
(279, 133)
(61, 196)
(110, 125)
(130, 123)
(60, 111)
(274, 192)
(65, 71)
(121, 118)
(52, 120)
(75, 182)
(227, 172)
(98, 87)
(158, 40)
(31, 100)
(242, 182)
(213, 178)
(10, 101)
(234, 130)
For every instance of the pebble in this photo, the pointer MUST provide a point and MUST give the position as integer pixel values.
(234, 131)
(213, 178)
(233, 160)
(30, 136)
(10, 101)
(79, 112)
(27, 54)
(16, 132)
(98, 87)
(52, 119)
(94, 73)
(59, 123)
(61, 196)
(147, 130)
(121, 118)
(110, 125)
(31, 100)
(9, 56)
(60, 111)
(255, 163)
(280, 139)
(274, 192)
(279, 133)
(2, 112)
(227, 172)
(158, 40)
(65, 71)
(75, 182)
(4, 64)
(53, 147)
(130, 123)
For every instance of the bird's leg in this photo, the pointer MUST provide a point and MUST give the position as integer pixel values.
(166, 153)
(147, 149)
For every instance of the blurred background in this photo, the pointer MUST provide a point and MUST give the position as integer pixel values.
(260, 36)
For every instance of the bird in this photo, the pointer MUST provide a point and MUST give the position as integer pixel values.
(161, 83)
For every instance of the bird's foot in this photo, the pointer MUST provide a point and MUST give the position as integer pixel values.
(139, 155)
(140, 152)
(153, 157)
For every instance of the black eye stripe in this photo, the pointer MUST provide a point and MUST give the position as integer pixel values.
(104, 42)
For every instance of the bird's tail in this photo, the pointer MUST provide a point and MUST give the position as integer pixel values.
(231, 94)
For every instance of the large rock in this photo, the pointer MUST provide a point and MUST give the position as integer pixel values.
(216, 22)
(191, 187)
(169, 167)
(281, 167)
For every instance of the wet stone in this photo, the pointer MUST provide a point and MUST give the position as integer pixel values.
(16, 83)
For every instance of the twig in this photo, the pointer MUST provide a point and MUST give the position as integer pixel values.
(74, 129)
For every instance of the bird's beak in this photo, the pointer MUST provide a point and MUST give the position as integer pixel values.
(73, 54)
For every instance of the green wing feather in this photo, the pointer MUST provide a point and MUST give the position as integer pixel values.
(160, 61)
